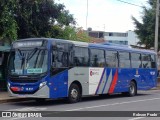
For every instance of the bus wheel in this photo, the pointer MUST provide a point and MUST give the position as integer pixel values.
(74, 94)
(132, 89)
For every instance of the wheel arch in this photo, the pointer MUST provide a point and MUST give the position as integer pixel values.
(133, 80)
(79, 85)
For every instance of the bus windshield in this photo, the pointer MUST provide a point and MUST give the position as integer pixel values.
(28, 62)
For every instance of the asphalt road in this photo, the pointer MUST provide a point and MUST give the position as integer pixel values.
(145, 101)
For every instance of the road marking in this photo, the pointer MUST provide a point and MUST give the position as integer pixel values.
(28, 109)
(105, 105)
(137, 118)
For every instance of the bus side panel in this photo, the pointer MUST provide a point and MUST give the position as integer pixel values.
(148, 78)
(105, 80)
(153, 77)
(115, 81)
(109, 85)
(124, 77)
(97, 78)
(80, 74)
(59, 85)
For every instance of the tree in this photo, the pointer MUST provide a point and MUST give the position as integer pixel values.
(70, 33)
(8, 25)
(36, 18)
(146, 29)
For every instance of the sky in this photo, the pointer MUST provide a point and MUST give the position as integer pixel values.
(105, 15)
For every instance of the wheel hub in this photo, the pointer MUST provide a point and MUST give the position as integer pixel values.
(74, 93)
(132, 89)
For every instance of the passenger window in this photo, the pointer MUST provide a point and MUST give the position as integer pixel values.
(146, 61)
(111, 59)
(124, 60)
(153, 61)
(136, 60)
(81, 56)
(59, 59)
(60, 56)
(97, 58)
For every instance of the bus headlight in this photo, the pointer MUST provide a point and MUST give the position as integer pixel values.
(42, 84)
(9, 85)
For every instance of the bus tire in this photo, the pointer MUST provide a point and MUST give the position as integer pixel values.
(132, 89)
(74, 94)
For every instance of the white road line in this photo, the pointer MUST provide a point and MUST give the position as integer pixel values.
(90, 107)
(137, 118)
(28, 109)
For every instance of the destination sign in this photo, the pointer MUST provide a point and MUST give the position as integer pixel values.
(21, 44)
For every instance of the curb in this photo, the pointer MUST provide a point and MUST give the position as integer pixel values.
(14, 100)
(156, 88)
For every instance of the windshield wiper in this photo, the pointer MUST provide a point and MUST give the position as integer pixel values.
(30, 55)
(22, 57)
(20, 54)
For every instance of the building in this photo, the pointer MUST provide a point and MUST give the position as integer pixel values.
(127, 38)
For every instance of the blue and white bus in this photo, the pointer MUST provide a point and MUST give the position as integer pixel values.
(55, 68)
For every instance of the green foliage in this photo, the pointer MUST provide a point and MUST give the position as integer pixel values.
(37, 18)
(8, 25)
(70, 33)
(146, 29)
(34, 18)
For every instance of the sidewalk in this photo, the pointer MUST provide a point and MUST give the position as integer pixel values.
(4, 97)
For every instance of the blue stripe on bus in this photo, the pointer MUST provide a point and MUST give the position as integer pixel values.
(100, 80)
(106, 80)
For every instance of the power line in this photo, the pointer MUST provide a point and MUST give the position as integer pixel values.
(130, 3)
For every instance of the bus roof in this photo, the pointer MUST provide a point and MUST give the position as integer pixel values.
(76, 43)
(95, 45)
(121, 48)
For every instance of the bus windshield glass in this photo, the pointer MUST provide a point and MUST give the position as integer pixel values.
(28, 62)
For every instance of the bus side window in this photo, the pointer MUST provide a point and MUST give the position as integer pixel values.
(111, 59)
(136, 60)
(146, 61)
(81, 56)
(124, 60)
(153, 61)
(59, 59)
(97, 58)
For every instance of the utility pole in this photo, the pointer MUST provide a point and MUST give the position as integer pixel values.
(156, 27)
(87, 17)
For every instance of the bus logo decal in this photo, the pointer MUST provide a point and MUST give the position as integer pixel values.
(90, 73)
(152, 73)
